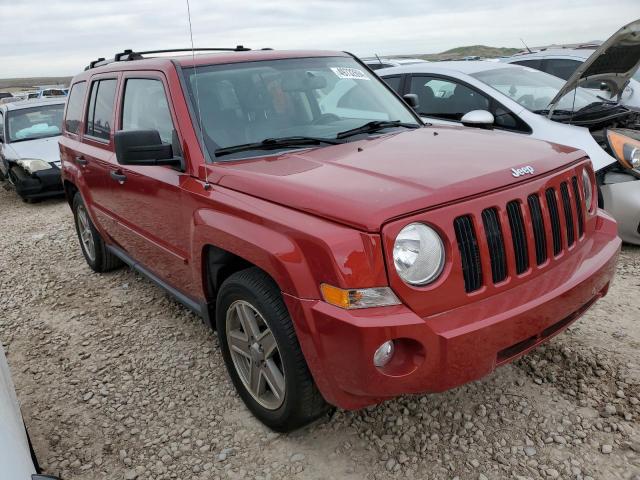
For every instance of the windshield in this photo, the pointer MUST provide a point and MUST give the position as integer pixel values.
(534, 89)
(249, 102)
(34, 122)
(636, 76)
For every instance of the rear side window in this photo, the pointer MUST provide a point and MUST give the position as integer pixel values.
(74, 107)
(561, 67)
(146, 108)
(530, 63)
(100, 111)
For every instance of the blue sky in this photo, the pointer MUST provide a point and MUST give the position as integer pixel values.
(60, 37)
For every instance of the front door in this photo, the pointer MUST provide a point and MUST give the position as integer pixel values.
(147, 201)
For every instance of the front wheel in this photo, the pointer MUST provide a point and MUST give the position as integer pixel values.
(262, 354)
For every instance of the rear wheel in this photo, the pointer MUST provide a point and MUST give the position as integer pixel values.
(262, 353)
(95, 252)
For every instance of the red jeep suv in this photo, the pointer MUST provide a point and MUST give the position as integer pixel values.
(344, 251)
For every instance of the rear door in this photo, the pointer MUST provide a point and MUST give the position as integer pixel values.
(146, 201)
(87, 144)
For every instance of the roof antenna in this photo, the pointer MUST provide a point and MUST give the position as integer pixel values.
(525, 46)
(207, 185)
(378, 59)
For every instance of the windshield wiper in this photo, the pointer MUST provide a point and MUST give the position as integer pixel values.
(275, 143)
(376, 126)
(545, 111)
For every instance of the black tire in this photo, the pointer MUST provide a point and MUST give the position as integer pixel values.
(103, 260)
(302, 403)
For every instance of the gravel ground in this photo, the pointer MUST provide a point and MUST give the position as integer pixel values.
(118, 381)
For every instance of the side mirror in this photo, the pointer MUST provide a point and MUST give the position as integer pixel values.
(412, 100)
(143, 147)
(478, 119)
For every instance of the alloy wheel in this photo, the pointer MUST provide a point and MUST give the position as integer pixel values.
(86, 234)
(255, 354)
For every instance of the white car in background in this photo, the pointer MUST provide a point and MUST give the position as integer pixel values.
(375, 63)
(17, 459)
(563, 63)
(524, 101)
(29, 151)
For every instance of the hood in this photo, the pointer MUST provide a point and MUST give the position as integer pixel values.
(613, 63)
(365, 183)
(46, 149)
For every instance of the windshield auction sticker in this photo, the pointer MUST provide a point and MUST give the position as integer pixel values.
(350, 73)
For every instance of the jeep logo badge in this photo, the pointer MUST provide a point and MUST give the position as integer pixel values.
(518, 172)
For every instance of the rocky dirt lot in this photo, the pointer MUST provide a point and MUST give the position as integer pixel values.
(117, 381)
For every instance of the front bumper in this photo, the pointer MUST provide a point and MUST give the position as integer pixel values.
(622, 201)
(451, 348)
(44, 183)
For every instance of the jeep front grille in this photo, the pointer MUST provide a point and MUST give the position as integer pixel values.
(521, 227)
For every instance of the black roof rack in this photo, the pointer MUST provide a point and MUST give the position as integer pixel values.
(128, 55)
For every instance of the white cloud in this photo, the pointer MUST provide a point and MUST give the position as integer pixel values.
(59, 38)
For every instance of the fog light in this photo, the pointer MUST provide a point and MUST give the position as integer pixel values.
(383, 354)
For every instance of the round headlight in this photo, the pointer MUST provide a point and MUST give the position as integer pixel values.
(588, 189)
(418, 254)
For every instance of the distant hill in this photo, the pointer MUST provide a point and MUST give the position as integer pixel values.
(16, 84)
(472, 50)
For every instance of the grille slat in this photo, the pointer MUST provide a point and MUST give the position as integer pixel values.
(518, 236)
(578, 200)
(554, 215)
(568, 213)
(469, 253)
(497, 255)
(539, 234)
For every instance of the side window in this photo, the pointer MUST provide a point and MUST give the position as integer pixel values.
(537, 64)
(561, 67)
(145, 107)
(446, 99)
(394, 82)
(74, 107)
(100, 111)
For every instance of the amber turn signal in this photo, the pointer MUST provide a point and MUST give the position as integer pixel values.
(358, 297)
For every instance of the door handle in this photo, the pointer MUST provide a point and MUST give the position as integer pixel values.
(80, 160)
(118, 177)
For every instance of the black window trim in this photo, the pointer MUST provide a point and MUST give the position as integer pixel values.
(493, 103)
(96, 80)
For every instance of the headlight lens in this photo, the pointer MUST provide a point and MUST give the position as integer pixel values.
(588, 190)
(32, 165)
(625, 145)
(418, 254)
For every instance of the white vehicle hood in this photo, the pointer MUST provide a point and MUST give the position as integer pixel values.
(613, 63)
(15, 457)
(46, 149)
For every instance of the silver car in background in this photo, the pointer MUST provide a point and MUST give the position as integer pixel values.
(564, 62)
(524, 101)
(17, 460)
